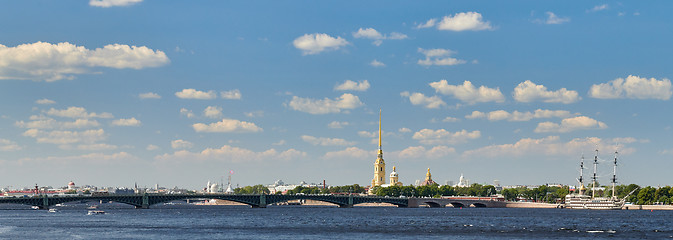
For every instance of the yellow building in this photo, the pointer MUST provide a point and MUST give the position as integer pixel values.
(394, 178)
(428, 179)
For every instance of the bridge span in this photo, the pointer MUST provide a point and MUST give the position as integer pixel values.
(257, 201)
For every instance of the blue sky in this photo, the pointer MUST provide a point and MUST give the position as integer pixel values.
(178, 93)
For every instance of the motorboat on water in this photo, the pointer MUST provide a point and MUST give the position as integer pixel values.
(95, 212)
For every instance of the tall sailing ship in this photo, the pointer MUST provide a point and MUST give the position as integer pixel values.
(581, 200)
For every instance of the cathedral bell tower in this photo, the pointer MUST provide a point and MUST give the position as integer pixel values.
(379, 165)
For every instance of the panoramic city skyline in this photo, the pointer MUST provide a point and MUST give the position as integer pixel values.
(112, 93)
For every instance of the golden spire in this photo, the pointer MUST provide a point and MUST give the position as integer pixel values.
(380, 110)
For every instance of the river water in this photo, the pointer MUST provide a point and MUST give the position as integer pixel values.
(185, 221)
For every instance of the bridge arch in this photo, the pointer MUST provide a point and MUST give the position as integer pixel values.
(479, 205)
(457, 204)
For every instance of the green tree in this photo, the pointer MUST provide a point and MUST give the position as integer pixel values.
(646, 195)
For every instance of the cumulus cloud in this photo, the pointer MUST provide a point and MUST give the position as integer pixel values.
(517, 116)
(598, 8)
(232, 94)
(349, 153)
(86, 159)
(376, 63)
(187, 113)
(316, 43)
(8, 146)
(570, 124)
(65, 137)
(93, 147)
(442, 136)
(212, 112)
(52, 62)
(190, 93)
(450, 119)
(231, 154)
(76, 112)
(349, 85)
(337, 125)
(181, 144)
(404, 130)
(112, 3)
(420, 152)
(129, 122)
(326, 141)
(465, 21)
(528, 92)
(548, 146)
(469, 93)
(633, 87)
(45, 101)
(42, 122)
(438, 57)
(152, 147)
(420, 99)
(254, 114)
(227, 125)
(370, 33)
(149, 95)
(325, 106)
(553, 19)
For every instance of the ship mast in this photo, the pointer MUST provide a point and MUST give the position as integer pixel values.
(581, 179)
(593, 184)
(614, 175)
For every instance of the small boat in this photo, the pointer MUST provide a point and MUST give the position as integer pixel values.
(92, 207)
(53, 210)
(35, 207)
(95, 212)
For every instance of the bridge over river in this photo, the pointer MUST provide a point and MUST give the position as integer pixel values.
(256, 201)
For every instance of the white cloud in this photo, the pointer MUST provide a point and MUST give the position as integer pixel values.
(439, 57)
(52, 62)
(65, 137)
(633, 87)
(231, 154)
(517, 116)
(152, 147)
(8, 146)
(186, 112)
(420, 99)
(76, 112)
(324, 106)
(190, 93)
(353, 86)
(548, 146)
(112, 3)
(279, 143)
(366, 134)
(553, 19)
(337, 125)
(326, 141)
(96, 158)
(45, 101)
(41, 122)
(129, 122)
(598, 8)
(469, 93)
(441, 136)
(570, 124)
(450, 119)
(212, 112)
(528, 92)
(475, 115)
(227, 125)
(404, 130)
(349, 153)
(149, 95)
(376, 63)
(465, 21)
(181, 144)
(96, 147)
(421, 152)
(318, 42)
(232, 94)
(428, 24)
(370, 33)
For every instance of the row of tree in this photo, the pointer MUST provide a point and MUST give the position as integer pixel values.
(550, 194)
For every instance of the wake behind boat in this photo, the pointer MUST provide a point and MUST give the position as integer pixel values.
(581, 200)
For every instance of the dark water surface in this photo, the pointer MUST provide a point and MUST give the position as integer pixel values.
(305, 222)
